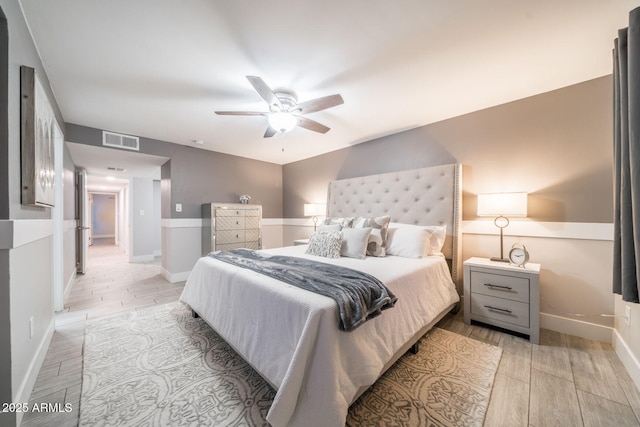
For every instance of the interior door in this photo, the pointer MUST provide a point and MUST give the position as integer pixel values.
(82, 222)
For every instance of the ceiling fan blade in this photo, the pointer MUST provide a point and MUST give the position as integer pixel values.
(306, 123)
(265, 91)
(240, 113)
(270, 132)
(320, 104)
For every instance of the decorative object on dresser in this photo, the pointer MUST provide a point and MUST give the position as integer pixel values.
(501, 205)
(503, 295)
(244, 199)
(315, 210)
(518, 255)
(230, 226)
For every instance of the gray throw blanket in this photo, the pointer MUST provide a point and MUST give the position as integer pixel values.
(360, 296)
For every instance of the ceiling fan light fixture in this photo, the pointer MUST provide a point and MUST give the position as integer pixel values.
(282, 122)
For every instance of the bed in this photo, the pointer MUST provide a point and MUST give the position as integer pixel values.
(291, 336)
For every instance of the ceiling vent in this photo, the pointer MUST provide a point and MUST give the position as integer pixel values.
(117, 140)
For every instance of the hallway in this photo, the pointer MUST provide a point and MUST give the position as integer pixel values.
(112, 285)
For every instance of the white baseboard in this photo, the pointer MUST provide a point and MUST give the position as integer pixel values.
(577, 328)
(26, 387)
(141, 258)
(175, 277)
(627, 358)
(157, 253)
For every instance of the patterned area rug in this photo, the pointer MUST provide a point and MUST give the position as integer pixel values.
(161, 367)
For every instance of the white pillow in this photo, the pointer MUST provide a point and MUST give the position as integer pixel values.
(354, 242)
(438, 235)
(408, 242)
(325, 244)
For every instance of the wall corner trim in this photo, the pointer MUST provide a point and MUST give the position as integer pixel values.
(18, 232)
(175, 277)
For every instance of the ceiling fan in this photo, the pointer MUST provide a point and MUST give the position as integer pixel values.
(285, 112)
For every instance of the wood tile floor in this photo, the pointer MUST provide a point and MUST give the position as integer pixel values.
(111, 285)
(564, 381)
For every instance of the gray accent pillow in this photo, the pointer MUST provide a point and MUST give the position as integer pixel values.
(354, 242)
(378, 236)
(343, 222)
(325, 244)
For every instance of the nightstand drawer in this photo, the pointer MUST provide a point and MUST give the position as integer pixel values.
(503, 310)
(501, 286)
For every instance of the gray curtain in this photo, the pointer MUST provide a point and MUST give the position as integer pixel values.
(626, 67)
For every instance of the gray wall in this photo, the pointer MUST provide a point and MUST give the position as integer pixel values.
(555, 146)
(25, 291)
(194, 176)
(22, 51)
(157, 218)
(143, 236)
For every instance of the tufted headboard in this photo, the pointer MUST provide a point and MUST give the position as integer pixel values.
(427, 196)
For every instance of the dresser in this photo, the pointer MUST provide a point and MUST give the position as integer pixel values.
(503, 295)
(230, 226)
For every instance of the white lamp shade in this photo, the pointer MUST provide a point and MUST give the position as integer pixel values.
(315, 209)
(506, 204)
(282, 122)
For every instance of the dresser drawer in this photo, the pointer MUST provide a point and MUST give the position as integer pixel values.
(252, 222)
(229, 246)
(252, 245)
(229, 236)
(252, 235)
(501, 286)
(503, 310)
(230, 212)
(230, 223)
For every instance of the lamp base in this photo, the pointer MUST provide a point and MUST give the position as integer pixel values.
(499, 259)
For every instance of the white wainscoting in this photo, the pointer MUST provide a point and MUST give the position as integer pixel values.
(31, 297)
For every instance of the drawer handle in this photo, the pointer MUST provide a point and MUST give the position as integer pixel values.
(506, 288)
(504, 310)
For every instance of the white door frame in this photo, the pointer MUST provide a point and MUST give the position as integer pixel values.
(57, 217)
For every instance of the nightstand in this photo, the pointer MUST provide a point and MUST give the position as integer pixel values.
(300, 242)
(503, 295)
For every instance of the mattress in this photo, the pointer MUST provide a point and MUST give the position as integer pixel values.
(291, 336)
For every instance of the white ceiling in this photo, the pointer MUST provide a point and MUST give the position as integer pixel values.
(160, 68)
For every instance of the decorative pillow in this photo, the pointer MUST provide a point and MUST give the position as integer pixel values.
(408, 242)
(344, 222)
(325, 243)
(354, 242)
(438, 235)
(332, 227)
(378, 236)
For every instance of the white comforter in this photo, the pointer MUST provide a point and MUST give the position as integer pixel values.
(291, 335)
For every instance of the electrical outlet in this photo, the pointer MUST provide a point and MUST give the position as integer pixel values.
(627, 315)
(32, 331)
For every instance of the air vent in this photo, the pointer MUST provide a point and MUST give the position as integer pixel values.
(117, 140)
(111, 168)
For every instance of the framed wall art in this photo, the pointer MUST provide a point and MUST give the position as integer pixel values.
(36, 141)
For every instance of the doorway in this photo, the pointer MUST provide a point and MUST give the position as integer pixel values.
(104, 218)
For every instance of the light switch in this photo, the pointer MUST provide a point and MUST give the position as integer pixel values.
(141, 212)
(178, 207)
